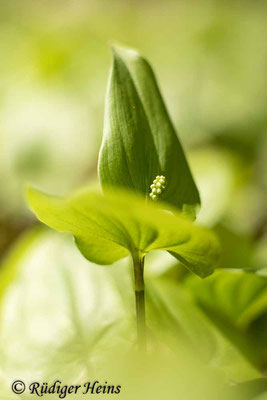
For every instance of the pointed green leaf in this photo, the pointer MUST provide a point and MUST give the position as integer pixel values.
(139, 140)
(107, 227)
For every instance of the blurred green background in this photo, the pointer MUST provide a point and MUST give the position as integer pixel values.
(210, 58)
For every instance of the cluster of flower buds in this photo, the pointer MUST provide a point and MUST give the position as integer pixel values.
(158, 186)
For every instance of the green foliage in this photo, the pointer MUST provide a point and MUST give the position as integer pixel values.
(88, 297)
(184, 324)
(238, 251)
(107, 227)
(216, 89)
(139, 139)
(11, 264)
(236, 302)
(100, 317)
(238, 297)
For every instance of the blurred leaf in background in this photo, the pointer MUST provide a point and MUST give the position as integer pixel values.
(94, 320)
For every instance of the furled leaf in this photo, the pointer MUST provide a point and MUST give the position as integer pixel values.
(139, 140)
(107, 227)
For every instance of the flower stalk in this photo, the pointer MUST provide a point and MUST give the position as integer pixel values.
(138, 264)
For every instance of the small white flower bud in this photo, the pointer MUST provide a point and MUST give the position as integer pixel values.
(158, 186)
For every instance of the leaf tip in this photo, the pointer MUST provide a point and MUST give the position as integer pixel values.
(123, 51)
(32, 197)
(29, 193)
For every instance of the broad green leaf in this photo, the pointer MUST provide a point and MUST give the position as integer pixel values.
(238, 296)
(238, 250)
(249, 390)
(107, 227)
(237, 303)
(183, 323)
(139, 140)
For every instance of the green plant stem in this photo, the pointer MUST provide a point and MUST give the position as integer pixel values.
(138, 263)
